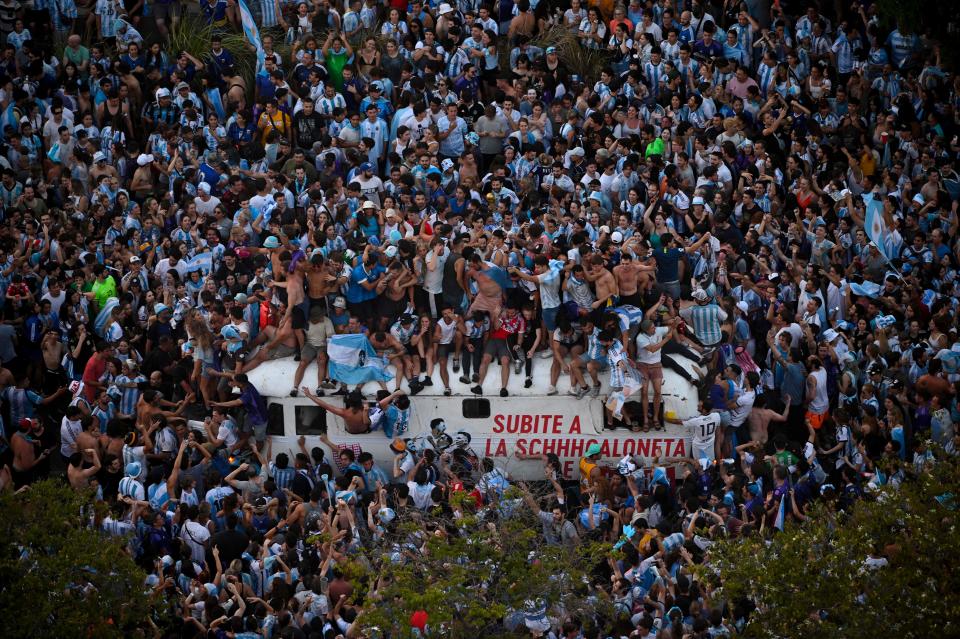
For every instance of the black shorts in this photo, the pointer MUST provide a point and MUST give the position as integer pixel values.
(298, 320)
(443, 350)
(411, 349)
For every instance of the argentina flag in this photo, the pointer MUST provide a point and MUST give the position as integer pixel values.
(201, 262)
(250, 30)
(353, 360)
(866, 289)
(781, 514)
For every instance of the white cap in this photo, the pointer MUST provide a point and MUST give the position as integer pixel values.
(203, 187)
(616, 237)
(340, 302)
(99, 156)
(744, 308)
(369, 205)
(697, 200)
(134, 260)
(578, 151)
(604, 229)
(391, 252)
(700, 295)
(163, 93)
(144, 159)
(444, 8)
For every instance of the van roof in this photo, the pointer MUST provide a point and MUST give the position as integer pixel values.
(275, 379)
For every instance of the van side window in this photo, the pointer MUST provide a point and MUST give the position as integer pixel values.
(310, 420)
(275, 419)
(476, 408)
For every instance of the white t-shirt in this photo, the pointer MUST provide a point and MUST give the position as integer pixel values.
(643, 340)
(421, 495)
(433, 280)
(744, 405)
(703, 430)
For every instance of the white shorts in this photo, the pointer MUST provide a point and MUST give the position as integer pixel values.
(704, 451)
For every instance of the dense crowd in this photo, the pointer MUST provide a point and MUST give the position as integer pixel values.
(760, 197)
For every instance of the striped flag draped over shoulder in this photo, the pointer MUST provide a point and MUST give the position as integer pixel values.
(353, 360)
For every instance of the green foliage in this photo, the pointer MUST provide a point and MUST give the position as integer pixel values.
(469, 581)
(819, 567)
(579, 59)
(45, 524)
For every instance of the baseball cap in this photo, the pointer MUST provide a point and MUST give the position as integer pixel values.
(163, 93)
(271, 242)
(368, 204)
(406, 318)
(744, 308)
(700, 295)
(616, 237)
(340, 302)
(182, 85)
(204, 188)
(99, 156)
(697, 200)
(447, 164)
(551, 50)
(376, 86)
(240, 298)
(132, 469)
(134, 260)
(391, 252)
(144, 159)
(159, 308)
(593, 449)
(366, 166)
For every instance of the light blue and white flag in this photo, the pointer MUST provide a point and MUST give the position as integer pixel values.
(104, 316)
(216, 100)
(781, 514)
(200, 262)
(876, 226)
(353, 360)
(929, 297)
(867, 289)
(250, 30)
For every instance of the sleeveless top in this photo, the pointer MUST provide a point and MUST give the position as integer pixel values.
(451, 287)
(447, 332)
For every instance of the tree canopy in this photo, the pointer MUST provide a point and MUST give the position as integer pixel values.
(886, 567)
(73, 580)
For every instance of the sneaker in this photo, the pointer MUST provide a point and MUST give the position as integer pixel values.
(475, 378)
(328, 383)
(427, 381)
(527, 383)
(319, 392)
(582, 392)
(447, 391)
(415, 387)
(456, 365)
(293, 392)
(573, 392)
(595, 391)
(464, 379)
(552, 390)
(477, 390)
(504, 392)
(341, 391)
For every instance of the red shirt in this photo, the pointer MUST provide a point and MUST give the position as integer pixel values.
(91, 373)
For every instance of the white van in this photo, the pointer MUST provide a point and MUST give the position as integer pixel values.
(528, 421)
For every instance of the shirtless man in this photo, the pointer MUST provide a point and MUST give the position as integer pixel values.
(356, 418)
(489, 295)
(149, 405)
(760, 417)
(606, 284)
(282, 341)
(389, 347)
(27, 455)
(632, 279)
(89, 437)
(321, 281)
(392, 290)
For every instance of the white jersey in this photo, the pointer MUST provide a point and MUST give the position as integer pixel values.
(447, 332)
(704, 432)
